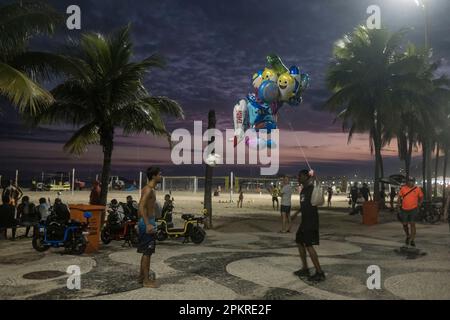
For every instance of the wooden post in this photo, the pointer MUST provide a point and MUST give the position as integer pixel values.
(164, 184)
(140, 185)
(73, 180)
(232, 186)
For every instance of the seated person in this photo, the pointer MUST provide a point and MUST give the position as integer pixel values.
(7, 217)
(167, 210)
(115, 212)
(130, 208)
(43, 209)
(27, 215)
(61, 211)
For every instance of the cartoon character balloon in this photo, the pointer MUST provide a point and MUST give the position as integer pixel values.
(269, 75)
(287, 85)
(274, 86)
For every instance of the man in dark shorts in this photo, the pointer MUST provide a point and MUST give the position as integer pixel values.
(354, 191)
(147, 226)
(410, 199)
(365, 191)
(308, 233)
(275, 194)
(286, 195)
(330, 196)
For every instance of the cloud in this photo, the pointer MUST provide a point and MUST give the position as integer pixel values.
(212, 48)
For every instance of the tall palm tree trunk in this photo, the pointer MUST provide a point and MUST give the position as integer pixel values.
(436, 170)
(377, 146)
(209, 173)
(444, 173)
(380, 161)
(376, 189)
(429, 176)
(424, 164)
(408, 158)
(107, 141)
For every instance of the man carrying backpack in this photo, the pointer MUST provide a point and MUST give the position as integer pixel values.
(410, 199)
(308, 233)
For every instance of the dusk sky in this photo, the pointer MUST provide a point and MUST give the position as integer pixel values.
(212, 49)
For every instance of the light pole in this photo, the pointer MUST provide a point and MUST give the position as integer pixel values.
(427, 184)
(424, 4)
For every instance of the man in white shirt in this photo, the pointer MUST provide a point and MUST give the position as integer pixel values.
(286, 194)
(44, 209)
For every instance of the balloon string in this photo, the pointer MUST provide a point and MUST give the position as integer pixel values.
(300, 146)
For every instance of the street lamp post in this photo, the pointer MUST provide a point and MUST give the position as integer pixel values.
(427, 184)
(424, 4)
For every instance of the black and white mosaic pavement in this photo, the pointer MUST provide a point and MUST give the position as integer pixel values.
(257, 264)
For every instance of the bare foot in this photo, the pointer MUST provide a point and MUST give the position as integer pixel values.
(150, 284)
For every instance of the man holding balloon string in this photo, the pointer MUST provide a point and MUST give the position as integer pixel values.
(275, 86)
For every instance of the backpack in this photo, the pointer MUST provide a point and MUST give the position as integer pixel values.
(317, 196)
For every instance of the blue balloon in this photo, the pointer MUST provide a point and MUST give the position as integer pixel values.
(306, 80)
(294, 71)
(268, 91)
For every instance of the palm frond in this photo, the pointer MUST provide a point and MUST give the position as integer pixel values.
(82, 138)
(41, 65)
(20, 21)
(27, 95)
(166, 106)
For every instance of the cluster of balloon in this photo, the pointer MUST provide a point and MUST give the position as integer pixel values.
(274, 86)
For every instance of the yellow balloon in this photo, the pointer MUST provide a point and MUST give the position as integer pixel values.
(286, 85)
(269, 74)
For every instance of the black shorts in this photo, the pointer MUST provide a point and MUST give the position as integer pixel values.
(408, 216)
(285, 209)
(147, 244)
(275, 199)
(308, 238)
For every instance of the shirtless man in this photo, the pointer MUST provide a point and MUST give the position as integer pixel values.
(13, 192)
(147, 226)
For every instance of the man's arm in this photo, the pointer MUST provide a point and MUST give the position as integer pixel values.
(293, 217)
(421, 196)
(20, 192)
(142, 212)
(399, 200)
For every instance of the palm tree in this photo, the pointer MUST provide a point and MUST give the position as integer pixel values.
(388, 92)
(19, 68)
(361, 78)
(103, 92)
(418, 100)
(443, 143)
(431, 100)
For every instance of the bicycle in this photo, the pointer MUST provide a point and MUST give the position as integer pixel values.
(431, 211)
